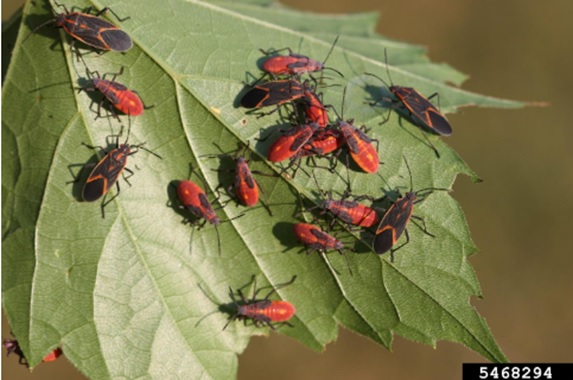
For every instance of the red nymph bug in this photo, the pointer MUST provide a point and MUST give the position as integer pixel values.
(118, 95)
(294, 64)
(314, 109)
(291, 142)
(90, 29)
(360, 146)
(323, 142)
(263, 311)
(246, 187)
(12, 347)
(315, 238)
(349, 211)
(274, 93)
(107, 171)
(422, 112)
(194, 199)
(395, 220)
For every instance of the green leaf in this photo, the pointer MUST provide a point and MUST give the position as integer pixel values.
(139, 292)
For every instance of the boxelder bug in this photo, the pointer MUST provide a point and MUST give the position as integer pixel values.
(314, 109)
(360, 146)
(118, 95)
(91, 30)
(396, 218)
(107, 171)
(294, 64)
(323, 142)
(246, 187)
(315, 238)
(421, 110)
(12, 347)
(263, 311)
(351, 212)
(274, 93)
(291, 142)
(194, 199)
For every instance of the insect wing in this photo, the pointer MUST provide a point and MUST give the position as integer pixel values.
(116, 39)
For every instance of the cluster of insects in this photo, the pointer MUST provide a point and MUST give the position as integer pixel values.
(312, 134)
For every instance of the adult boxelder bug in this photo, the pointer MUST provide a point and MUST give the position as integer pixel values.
(118, 95)
(263, 311)
(294, 64)
(91, 30)
(418, 106)
(360, 146)
(107, 171)
(395, 220)
(12, 347)
(274, 93)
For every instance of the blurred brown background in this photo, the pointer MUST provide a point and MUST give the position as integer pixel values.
(520, 216)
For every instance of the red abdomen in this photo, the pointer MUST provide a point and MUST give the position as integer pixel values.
(269, 311)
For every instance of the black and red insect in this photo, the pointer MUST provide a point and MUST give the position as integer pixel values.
(91, 29)
(395, 220)
(294, 64)
(117, 94)
(263, 312)
(12, 347)
(273, 93)
(289, 144)
(107, 171)
(323, 142)
(246, 188)
(314, 109)
(193, 198)
(316, 239)
(351, 212)
(421, 110)
(360, 146)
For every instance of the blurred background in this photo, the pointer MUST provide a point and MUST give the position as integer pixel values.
(520, 216)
